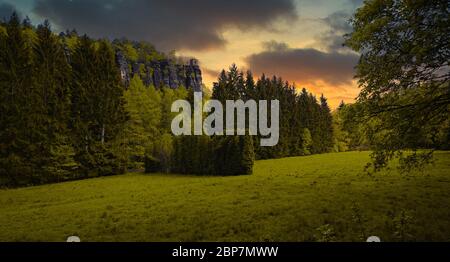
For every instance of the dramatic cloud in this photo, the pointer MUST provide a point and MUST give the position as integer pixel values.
(274, 46)
(305, 65)
(5, 11)
(339, 25)
(174, 24)
(339, 21)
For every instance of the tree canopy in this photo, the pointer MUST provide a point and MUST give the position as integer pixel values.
(404, 75)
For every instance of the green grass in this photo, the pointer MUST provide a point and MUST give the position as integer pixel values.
(316, 198)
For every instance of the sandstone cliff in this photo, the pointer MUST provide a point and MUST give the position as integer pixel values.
(161, 73)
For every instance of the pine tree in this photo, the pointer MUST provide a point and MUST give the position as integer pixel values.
(109, 115)
(167, 98)
(250, 86)
(15, 93)
(219, 88)
(137, 139)
(247, 155)
(51, 107)
(307, 142)
(326, 124)
(98, 112)
(83, 103)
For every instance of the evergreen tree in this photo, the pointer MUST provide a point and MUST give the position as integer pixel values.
(16, 85)
(167, 98)
(98, 112)
(219, 88)
(250, 86)
(326, 126)
(52, 107)
(307, 142)
(137, 139)
(247, 155)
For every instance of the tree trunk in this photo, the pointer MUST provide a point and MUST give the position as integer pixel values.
(103, 134)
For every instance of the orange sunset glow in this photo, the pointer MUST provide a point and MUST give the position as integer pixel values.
(298, 40)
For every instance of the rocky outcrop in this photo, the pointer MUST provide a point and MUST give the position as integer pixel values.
(162, 73)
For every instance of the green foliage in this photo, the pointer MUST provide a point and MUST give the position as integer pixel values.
(52, 108)
(219, 155)
(247, 155)
(350, 133)
(152, 164)
(307, 142)
(402, 223)
(194, 155)
(404, 75)
(17, 118)
(30, 35)
(326, 233)
(97, 106)
(297, 113)
(60, 120)
(71, 42)
(143, 127)
(130, 52)
(162, 153)
(142, 52)
(167, 98)
(234, 155)
(3, 31)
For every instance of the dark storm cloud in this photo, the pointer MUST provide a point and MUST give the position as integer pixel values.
(304, 65)
(6, 11)
(339, 21)
(174, 24)
(274, 46)
(339, 25)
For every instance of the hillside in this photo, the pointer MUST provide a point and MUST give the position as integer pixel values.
(315, 198)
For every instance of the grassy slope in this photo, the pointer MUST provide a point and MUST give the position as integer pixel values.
(285, 200)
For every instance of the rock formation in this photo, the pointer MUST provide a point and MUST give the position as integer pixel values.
(162, 73)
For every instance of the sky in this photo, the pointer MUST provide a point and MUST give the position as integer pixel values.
(298, 40)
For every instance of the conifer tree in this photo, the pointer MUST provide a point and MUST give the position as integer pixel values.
(219, 88)
(326, 125)
(15, 92)
(51, 107)
(137, 139)
(98, 112)
(84, 69)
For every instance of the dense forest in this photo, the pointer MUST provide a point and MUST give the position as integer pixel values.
(306, 124)
(66, 114)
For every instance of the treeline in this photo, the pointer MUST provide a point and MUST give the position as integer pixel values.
(60, 118)
(306, 127)
(65, 114)
(151, 145)
(355, 129)
(306, 124)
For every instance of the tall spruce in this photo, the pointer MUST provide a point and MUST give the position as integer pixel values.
(326, 126)
(98, 112)
(52, 107)
(16, 84)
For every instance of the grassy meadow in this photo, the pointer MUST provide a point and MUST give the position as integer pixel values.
(316, 198)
